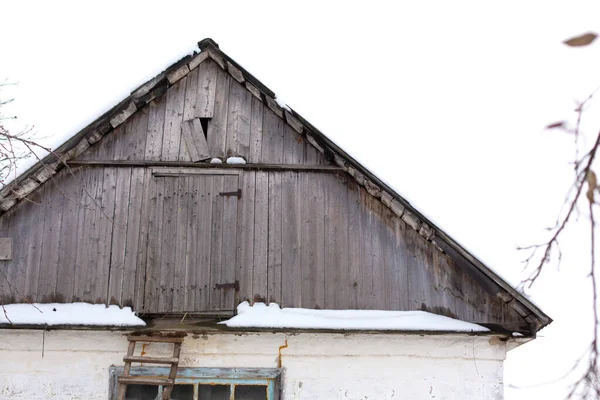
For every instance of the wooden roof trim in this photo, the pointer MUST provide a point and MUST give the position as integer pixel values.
(157, 86)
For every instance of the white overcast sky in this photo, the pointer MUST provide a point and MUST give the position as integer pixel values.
(444, 100)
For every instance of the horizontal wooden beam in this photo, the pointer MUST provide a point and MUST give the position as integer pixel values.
(262, 167)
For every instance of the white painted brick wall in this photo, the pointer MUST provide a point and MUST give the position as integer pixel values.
(317, 365)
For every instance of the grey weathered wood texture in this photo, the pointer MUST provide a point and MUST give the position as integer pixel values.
(162, 239)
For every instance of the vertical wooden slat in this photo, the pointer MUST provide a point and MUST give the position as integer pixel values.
(206, 201)
(156, 126)
(354, 245)
(395, 271)
(194, 140)
(72, 186)
(87, 233)
(119, 244)
(272, 142)
(105, 221)
(193, 263)
(186, 147)
(15, 264)
(229, 239)
(238, 121)
(53, 212)
(261, 237)
(245, 235)
(366, 287)
(191, 93)
(275, 245)
(136, 219)
(153, 254)
(173, 118)
(179, 269)
(217, 125)
(313, 240)
(293, 146)
(256, 131)
(216, 243)
(291, 242)
(336, 243)
(207, 87)
(136, 132)
(168, 241)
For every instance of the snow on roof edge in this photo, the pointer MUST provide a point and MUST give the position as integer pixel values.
(272, 316)
(53, 314)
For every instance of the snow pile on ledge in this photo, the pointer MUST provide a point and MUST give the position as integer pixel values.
(235, 160)
(272, 316)
(216, 161)
(68, 314)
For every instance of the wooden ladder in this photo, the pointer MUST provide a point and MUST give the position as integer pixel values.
(167, 383)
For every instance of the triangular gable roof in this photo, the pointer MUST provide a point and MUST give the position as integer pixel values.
(31, 179)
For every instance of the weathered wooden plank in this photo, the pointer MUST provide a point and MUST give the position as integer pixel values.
(148, 197)
(366, 288)
(245, 236)
(194, 139)
(136, 210)
(272, 142)
(191, 93)
(261, 237)
(105, 221)
(192, 261)
(6, 292)
(168, 241)
(395, 272)
(73, 188)
(293, 146)
(216, 243)
(207, 87)
(179, 268)
(173, 118)
(230, 218)
(313, 240)
(218, 168)
(217, 126)
(119, 236)
(87, 233)
(336, 243)
(354, 244)
(206, 200)
(156, 188)
(256, 131)
(291, 242)
(238, 121)
(156, 126)
(379, 234)
(137, 133)
(275, 245)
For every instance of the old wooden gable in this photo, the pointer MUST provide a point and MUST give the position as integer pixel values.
(133, 212)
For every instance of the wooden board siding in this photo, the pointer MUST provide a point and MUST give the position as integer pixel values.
(238, 124)
(163, 243)
(128, 235)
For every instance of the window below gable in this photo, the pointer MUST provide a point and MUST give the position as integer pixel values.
(203, 383)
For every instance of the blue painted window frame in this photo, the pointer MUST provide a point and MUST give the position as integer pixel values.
(269, 377)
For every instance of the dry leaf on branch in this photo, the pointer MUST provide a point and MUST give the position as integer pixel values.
(581, 40)
(592, 184)
(556, 125)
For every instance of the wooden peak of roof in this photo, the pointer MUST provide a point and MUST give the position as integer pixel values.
(31, 179)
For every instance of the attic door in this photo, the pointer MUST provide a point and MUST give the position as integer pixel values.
(192, 241)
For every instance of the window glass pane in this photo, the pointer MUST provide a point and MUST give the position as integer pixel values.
(141, 392)
(250, 392)
(182, 392)
(213, 392)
